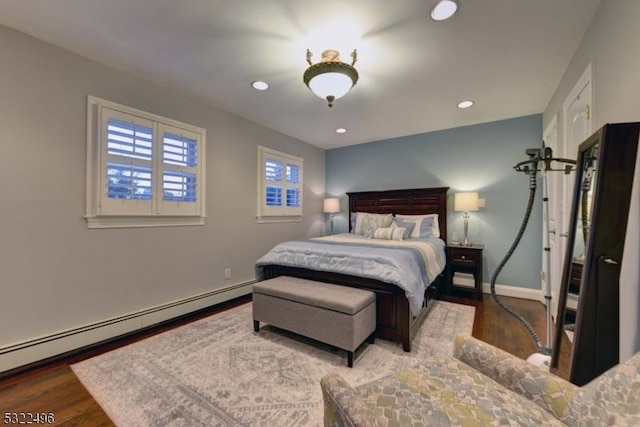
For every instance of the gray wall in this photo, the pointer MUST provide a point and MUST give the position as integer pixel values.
(611, 45)
(56, 273)
(472, 158)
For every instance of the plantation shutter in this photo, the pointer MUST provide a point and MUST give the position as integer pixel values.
(127, 169)
(294, 179)
(179, 166)
(273, 175)
(279, 184)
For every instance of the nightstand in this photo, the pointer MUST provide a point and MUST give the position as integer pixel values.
(464, 270)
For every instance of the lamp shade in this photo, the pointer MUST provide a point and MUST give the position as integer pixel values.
(331, 205)
(333, 84)
(466, 202)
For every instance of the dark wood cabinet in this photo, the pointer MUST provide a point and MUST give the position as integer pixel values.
(464, 271)
(573, 294)
(575, 276)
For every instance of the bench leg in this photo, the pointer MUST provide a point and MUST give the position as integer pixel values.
(256, 325)
(371, 339)
(350, 359)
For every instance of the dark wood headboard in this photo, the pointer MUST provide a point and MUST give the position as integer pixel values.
(418, 201)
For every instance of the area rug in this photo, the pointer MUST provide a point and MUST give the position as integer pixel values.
(217, 371)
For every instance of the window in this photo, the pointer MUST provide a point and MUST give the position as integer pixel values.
(142, 169)
(279, 186)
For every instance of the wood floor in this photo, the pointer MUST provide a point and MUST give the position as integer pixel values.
(54, 388)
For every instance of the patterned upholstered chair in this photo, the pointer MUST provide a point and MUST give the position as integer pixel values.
(483, 385)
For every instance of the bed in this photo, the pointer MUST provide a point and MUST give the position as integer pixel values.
(396, 315)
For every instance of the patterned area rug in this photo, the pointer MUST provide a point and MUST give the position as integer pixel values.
(218, 372)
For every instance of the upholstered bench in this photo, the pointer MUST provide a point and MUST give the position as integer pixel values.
(337, 315)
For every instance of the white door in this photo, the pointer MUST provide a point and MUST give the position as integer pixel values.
(578, 119)
(552, 273)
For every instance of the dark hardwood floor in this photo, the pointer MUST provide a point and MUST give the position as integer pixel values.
(53, 388)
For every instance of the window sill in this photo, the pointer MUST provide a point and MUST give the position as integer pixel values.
(131, 221)
(278, 219)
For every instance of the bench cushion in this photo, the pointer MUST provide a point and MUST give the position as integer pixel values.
(324, 295)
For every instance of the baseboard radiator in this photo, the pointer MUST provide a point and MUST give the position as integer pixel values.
(26, 352)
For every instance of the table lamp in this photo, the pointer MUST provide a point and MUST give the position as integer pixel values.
(332, 207)
(466, 202)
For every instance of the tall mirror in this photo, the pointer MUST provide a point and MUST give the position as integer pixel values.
(583, 203)
(586, 340)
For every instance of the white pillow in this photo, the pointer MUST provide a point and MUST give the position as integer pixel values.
(426, 225)
(389, 233)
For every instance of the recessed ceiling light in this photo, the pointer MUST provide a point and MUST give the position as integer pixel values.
(444, 9)
(341, 130)
(465, 104)
(259, 85)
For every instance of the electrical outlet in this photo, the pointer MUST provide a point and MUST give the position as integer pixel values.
(227, 273)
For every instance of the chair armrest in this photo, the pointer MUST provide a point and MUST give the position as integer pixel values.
(548, 391)
(342, 404)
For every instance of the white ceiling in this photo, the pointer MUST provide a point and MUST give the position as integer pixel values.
(506, 55)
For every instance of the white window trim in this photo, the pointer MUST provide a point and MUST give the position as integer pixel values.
(285, 214)
(94, 182)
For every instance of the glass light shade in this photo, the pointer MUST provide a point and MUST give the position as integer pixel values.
(331, 205)
(259, 85)
(445, 9)
(331, 84)
(466, 202)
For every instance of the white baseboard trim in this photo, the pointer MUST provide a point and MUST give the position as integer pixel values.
(33, 350)
(515, 291)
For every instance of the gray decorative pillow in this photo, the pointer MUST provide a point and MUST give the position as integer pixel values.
(407, 225)
(367, 223)
(426, 225)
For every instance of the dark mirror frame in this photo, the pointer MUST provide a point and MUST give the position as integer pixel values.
(596, 342)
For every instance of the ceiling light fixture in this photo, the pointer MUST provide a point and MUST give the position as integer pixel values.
(341, 130)
(259, 85)
(330, 78)
(465, 104)
(444, 9)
